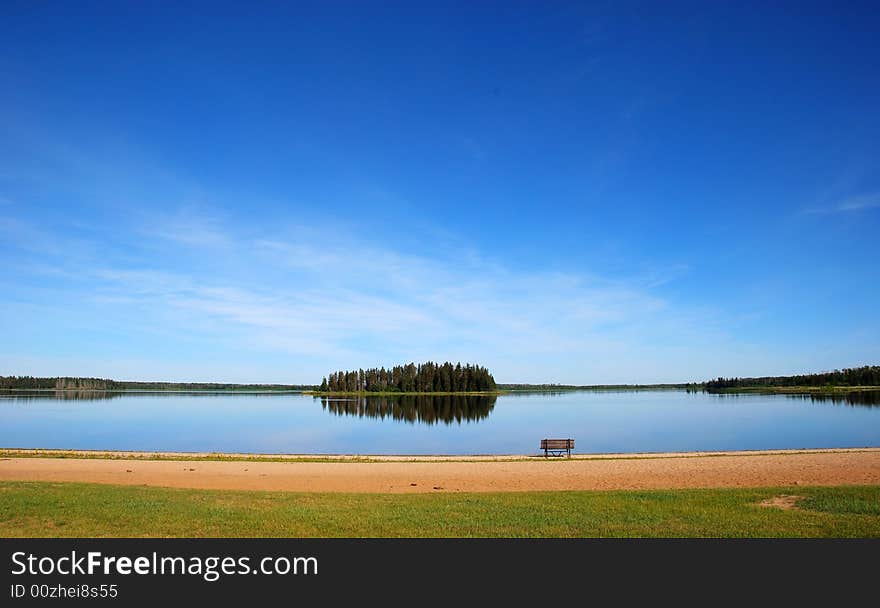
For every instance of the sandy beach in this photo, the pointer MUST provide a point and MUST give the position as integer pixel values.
(458, 474)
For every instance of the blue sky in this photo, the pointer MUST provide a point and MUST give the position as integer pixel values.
(564, 192)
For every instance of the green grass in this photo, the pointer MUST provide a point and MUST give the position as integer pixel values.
(29, 509)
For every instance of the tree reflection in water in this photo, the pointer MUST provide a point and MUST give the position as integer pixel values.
(860, 398)
(424, 409)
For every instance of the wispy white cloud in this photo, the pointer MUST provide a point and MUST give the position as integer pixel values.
(191, 225)
(282, 294)
(848, 205)
(347, 296)
(860, 202)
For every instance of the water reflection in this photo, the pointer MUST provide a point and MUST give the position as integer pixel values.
(852, 398)
(98, 395)
(425, 409)
(648, 421)
(66, 395)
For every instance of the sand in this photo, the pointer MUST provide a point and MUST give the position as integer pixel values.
(471, 474)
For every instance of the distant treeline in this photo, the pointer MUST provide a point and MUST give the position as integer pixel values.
(59, 383)
(868, 375)
(427, 377)
(581, 387)
(104, 384)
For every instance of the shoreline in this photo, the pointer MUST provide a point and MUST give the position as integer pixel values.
(695, 387)
(64, 453)
(431, 474)
(211, 391)
(791, 390)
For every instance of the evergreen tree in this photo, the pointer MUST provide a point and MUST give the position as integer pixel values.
(424, 377)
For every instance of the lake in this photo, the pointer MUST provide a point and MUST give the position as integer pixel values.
(599, 421)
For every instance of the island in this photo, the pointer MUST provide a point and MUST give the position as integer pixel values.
(424, 379)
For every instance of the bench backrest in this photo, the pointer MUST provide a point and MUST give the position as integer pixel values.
(557, 444)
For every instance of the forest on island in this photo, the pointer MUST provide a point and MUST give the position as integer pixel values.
(427, 377)
(867, 375)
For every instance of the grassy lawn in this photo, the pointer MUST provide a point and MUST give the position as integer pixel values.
(95, 510)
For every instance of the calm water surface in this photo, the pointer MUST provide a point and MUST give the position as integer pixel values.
(602, 421)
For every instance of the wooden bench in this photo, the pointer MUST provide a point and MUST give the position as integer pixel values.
(556, 447)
